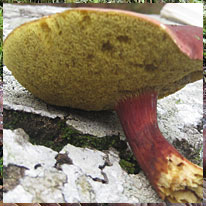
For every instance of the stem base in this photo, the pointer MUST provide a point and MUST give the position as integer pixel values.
(172, 175)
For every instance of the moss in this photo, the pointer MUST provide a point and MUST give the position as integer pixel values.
(178, 101)
(128, 166)
(55, 134)
(41, 130)
(198, 156)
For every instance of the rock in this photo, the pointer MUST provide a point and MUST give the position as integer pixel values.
(191, 13)
(90, 175)
(38, 184)
(15, 15)
(174, 115)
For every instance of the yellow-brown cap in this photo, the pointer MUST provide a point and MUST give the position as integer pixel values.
(92, 58)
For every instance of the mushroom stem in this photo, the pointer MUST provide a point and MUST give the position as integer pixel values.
(173, 176)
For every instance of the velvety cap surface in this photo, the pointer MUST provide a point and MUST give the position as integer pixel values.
(92, 58)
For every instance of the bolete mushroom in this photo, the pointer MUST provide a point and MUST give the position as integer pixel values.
(100, 59)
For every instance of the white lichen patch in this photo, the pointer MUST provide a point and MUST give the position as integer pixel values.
(25, 154)
(14, 195)
(41, 180)
(91, 175)
(180, 114)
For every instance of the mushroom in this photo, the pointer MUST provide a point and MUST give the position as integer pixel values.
(100, 59)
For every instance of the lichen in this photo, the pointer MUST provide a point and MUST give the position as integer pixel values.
(55, 134)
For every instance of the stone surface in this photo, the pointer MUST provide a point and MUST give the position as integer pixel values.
(80, 178)
(15, 15)
(90, 176)
(191, 13)
(180, 114)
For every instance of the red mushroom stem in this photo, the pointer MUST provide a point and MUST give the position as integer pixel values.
(173, 176)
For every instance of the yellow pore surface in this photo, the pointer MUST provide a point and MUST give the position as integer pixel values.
(90, 59)
(183, 183)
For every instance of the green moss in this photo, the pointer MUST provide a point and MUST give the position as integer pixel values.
(41, 130)
(128, 166)
(127, 160)
(80, 140)
(55, 134)
(198, 156)
(178, 101)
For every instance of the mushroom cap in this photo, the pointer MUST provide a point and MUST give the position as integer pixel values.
(92, 58)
